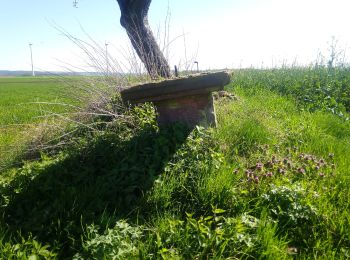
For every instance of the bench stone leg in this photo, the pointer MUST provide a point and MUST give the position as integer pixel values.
(190, 110)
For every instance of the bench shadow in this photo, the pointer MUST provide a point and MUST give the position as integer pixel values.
(107, 180)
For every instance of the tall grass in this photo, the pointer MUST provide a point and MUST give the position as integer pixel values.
(314, 88)
(41, 114)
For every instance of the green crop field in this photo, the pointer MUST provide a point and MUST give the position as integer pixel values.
(25, 101)
(17, 93)
(272, 181)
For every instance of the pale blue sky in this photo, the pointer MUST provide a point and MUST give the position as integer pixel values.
(224, 33)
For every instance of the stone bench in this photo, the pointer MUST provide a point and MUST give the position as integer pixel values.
(187, 100)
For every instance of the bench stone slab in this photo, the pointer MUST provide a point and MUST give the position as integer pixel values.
(187, 100)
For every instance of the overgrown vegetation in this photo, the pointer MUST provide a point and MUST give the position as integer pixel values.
(272, 181)
(315, 88)
(36, 110)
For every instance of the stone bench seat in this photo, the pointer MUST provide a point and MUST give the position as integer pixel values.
(187, 100)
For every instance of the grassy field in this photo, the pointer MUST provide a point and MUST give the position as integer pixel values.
(271, 182)
(22, 106)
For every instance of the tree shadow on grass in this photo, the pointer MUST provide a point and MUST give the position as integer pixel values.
(109, 178)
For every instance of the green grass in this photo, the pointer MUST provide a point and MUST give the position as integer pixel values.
(18, 94)
(22, 107)
(271, 182)
(317, 88)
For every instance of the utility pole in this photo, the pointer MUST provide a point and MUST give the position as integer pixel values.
(106, 44)
(196, 62)
(31, 58)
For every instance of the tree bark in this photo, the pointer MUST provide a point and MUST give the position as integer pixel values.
(134, 18)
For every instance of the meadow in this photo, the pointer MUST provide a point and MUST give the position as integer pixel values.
(27, 101)
(270, 182)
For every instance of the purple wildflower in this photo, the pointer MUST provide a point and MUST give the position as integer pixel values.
(281, 171)
(259, 166)
(269, 174)
(301, 170)
(248, 172)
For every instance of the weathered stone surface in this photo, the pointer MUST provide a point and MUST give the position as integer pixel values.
(191, 110)
(187, 100)
(167, 89)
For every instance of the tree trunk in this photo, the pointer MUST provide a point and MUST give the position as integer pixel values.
(134, 18)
